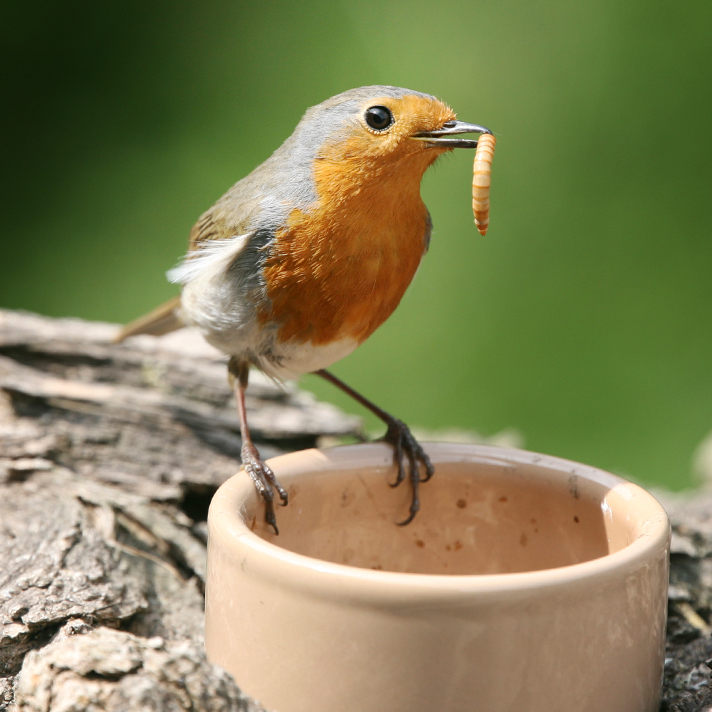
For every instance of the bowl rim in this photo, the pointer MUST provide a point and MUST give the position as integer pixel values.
(227, 527)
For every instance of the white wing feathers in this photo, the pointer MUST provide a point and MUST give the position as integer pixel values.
(210, 257)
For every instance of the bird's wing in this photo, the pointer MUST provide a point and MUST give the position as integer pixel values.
(208, 257)
(217, 238)
(207, 228)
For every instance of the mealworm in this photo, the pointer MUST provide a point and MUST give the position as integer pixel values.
(481, 177)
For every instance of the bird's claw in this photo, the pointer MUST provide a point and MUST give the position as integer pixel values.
(265, 482)
(406, 446)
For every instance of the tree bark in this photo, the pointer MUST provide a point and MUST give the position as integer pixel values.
(109, 455)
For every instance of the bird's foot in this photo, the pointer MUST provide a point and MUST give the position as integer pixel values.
(405, 446)
(264, 481)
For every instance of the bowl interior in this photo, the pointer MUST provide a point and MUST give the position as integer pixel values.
(475, 518)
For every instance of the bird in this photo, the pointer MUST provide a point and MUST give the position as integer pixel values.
(304, 258)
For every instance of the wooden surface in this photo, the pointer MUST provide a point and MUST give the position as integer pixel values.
(108, 457)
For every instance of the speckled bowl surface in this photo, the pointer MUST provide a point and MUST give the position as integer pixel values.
(526, 582)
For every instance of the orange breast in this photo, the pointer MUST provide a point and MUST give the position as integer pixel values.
(339, 270)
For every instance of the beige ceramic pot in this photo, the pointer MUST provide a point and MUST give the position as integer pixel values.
(526, 583)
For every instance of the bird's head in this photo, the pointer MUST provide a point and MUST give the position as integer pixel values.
(381, 129)
(377, 140)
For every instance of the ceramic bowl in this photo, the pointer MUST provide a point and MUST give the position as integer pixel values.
(525, 583)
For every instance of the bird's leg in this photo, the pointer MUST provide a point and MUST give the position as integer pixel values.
(261, 475)
(405, 446)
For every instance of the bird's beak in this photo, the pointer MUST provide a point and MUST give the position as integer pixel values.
(441, 137)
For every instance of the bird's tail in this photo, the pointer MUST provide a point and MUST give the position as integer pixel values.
(160, 321)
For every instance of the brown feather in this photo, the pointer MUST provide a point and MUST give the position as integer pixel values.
(161, 320)
(205, 229)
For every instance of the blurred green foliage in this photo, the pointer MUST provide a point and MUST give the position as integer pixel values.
(582, 319)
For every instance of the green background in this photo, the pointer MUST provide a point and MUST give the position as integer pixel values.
(582, 319)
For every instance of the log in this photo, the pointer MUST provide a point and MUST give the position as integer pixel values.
(687, 684)
(109, 455)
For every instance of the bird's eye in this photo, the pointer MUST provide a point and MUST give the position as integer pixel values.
(379, 118)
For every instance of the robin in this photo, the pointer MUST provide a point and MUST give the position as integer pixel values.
(303, 259)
